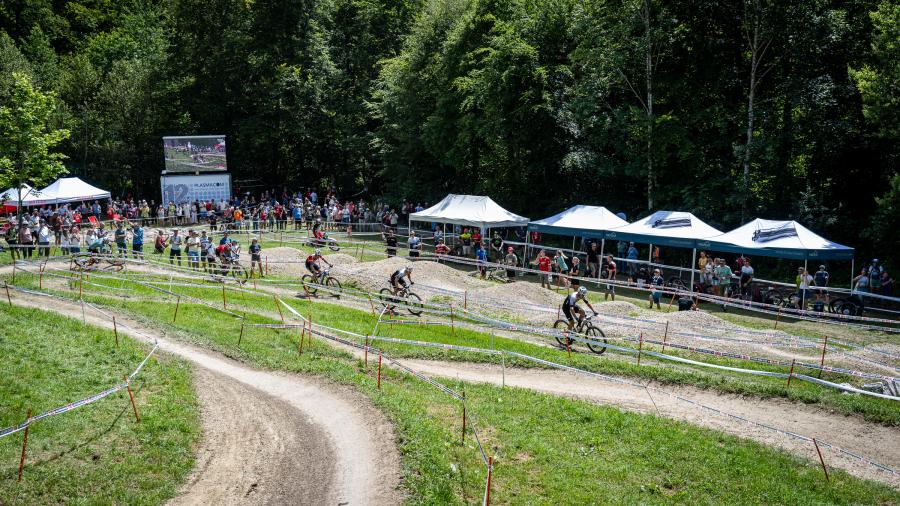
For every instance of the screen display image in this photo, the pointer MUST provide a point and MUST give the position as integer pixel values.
(198, 153)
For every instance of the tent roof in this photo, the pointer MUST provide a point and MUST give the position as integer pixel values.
(783, 239)
(470, 210)
(666, 228)
(586, 221)
(68, 189)
(11, 197)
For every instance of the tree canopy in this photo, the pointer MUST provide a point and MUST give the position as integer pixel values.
(731, 110)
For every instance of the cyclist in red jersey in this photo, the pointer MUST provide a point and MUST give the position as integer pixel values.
(312, 263)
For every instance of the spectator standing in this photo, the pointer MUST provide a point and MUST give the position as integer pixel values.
(746, 277)
(887, 284)
(137, 241)
(192, 248)
(256, 256)
(610, 289)
(511, 261)
(575, 271)
(481, 258)
(175, 243)
(543, 263)
(593, 260)
(497, 246)
(561, 266)
(43, 238)
(25, 240)
(803, 281)
(821, 278)
(656, 283)
(120, 236)
(391, 242)
(414, 244)
(632, 256)
(622, 248)
(466, 238)
(861, 282)
(722, 278)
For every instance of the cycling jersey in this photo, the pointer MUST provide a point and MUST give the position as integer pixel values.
(570, 306)
(398, 275)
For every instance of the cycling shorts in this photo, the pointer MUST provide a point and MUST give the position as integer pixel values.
(313, 267)
(570, 311)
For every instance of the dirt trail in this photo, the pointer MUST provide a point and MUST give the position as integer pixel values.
(286, 446)
(874, 441)
(359, 463)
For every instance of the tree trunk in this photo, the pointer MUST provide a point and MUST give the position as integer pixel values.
(649, 70)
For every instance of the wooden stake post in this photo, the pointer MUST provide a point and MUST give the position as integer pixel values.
(24, 446)
(791, 374)
(116, 331)
(137, 418)
(177, 303)
(821, 460)
(463, 438)
(640, 348)
(379, 370)
(665, 336)
(8, 298)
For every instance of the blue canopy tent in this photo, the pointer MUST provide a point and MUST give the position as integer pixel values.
(668, 228)
(781, 239)
(579, 221)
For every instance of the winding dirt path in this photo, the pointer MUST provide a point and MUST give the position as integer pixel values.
(269, 437)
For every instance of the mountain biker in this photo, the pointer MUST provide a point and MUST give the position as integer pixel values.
(312, 264)
(397, 280)
(570, 305)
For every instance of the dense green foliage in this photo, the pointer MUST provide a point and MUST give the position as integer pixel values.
(733, 109)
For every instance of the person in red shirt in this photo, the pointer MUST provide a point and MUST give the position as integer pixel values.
(476, 236)
(610, 274)
(543, 262)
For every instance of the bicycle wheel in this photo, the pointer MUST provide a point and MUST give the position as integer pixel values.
(115, 266)
(387, 298)
(676, 282)
(562, 336)
(334, 285)
(334, 246)
(596, 335)
(414, 304)
(309, 284)
(83, 261)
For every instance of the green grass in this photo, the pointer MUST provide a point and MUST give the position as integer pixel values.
(96, 454)
(876, 410)
(547, 449)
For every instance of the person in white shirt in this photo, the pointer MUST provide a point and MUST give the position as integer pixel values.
(746, 277)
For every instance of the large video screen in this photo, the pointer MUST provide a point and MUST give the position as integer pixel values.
(195, 153)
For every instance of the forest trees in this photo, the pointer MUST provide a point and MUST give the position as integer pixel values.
(730, 109)
(27, 138)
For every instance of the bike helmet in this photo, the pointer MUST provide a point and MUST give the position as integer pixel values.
(318, 251)
(582, 290)
(409, 268)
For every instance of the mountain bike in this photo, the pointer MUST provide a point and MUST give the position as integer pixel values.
(311, 283)
(585, 328)
(404, 297)
(93, 260)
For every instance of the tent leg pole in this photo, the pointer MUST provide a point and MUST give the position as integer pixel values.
(602, 245)
(852, 273)
(693, 262)
(803, 292)
(650, 257)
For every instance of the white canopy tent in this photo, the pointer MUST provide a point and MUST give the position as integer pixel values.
(10, 198)
(668, 228)
(67, 189)
(469, 210)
